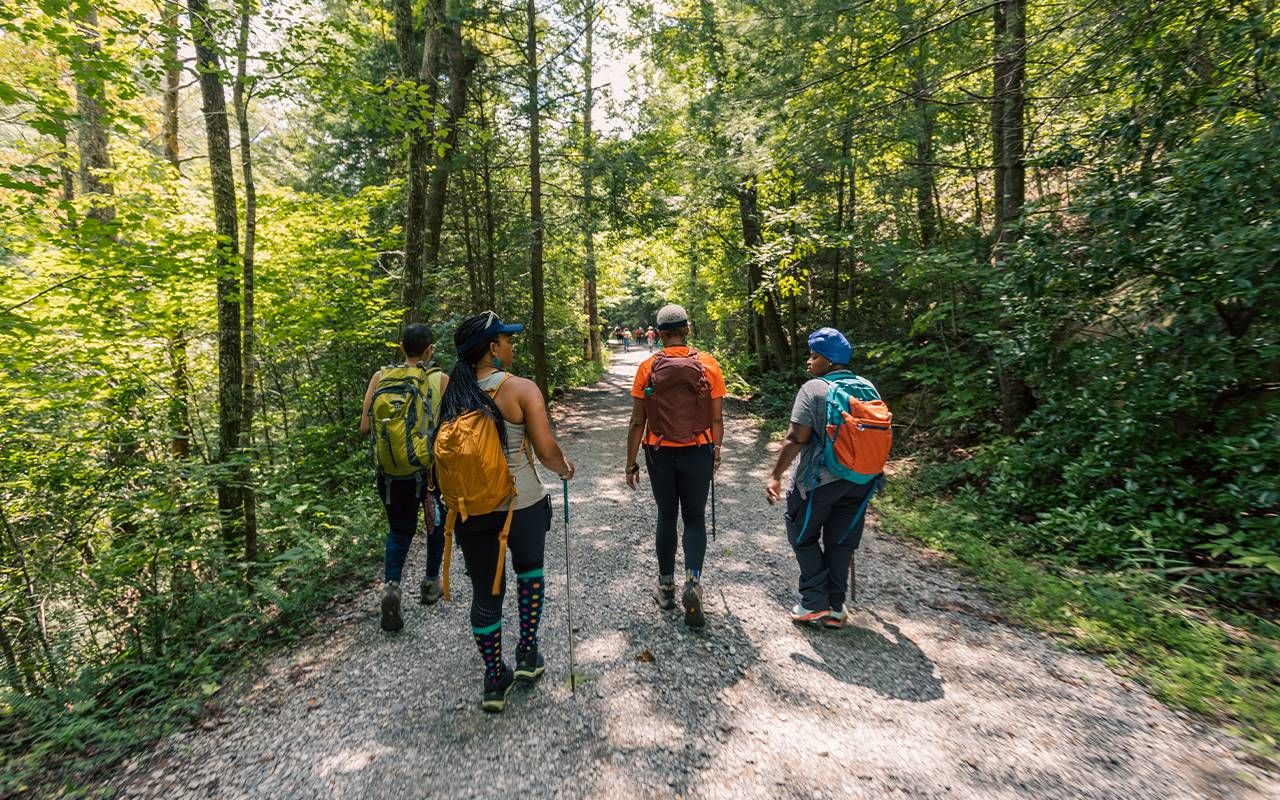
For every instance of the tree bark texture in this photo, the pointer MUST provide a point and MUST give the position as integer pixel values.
(226, 255)
(770, 333)
(179, 383)
(95, 160)
(539, 337)
(416, 71)
(240, 99)
(588, 201)
(925, 207)
(460, 65)
(1013, 93)
(998, 31)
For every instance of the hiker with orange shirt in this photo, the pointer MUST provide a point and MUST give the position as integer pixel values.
(676, 415)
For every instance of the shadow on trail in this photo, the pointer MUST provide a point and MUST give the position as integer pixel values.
(891, 665)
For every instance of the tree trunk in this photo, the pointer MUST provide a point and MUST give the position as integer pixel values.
(240, 99)
(490, 258)
(837, 267)
(226, 256)
(770, 334)
(415, 70)
(179, 396)
(473, 275)
(95, 160)
(999, 29)
(1013, 146)
(539, 343)
(172, 82)
(460, 63)
(588, 201)
(924, 150)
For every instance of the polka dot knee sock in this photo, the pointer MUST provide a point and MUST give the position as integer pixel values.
(489, 642)
(530, 585)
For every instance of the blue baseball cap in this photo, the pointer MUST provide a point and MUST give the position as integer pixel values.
(831, 345)
(493, 327)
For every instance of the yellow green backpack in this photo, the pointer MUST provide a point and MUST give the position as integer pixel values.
(402, 416)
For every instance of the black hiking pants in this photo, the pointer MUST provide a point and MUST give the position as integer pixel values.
(402, 499)
(824, 529)
(478, 538)
(681, 479)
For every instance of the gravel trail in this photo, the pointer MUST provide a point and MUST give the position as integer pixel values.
(927, 694)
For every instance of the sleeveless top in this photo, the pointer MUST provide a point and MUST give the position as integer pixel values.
(519, 458)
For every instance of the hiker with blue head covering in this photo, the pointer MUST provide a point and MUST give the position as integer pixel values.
(841, 430)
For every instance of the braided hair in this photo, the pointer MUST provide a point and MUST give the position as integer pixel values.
(463, 394)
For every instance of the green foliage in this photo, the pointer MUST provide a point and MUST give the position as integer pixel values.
(1218, 664)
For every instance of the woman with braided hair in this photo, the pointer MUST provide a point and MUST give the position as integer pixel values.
(480, 381)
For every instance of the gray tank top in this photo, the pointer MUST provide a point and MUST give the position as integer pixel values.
(519, 455)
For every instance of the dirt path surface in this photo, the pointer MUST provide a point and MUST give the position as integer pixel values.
(927, 694)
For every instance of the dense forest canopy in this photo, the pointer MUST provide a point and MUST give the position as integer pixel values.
(1050, 230)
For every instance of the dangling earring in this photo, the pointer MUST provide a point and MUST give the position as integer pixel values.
(497, 363)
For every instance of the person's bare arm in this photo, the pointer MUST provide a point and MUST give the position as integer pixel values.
(537, 427)
(635, 434)
(797, 437)
(368, 400)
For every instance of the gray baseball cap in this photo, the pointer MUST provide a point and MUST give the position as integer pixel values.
(672, 316)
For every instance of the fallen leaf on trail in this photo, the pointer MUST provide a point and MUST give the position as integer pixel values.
(645, 656)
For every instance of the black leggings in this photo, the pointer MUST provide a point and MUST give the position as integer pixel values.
(478, 538)
(681, 478)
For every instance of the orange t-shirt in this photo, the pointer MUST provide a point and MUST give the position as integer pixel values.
(714, 376)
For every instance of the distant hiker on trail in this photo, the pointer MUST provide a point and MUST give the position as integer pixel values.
(676, 413)
(626, 340)
(492, 424)
(401, 410)
(650, 335)
(841, 429)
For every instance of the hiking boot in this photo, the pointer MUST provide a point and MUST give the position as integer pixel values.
(495, 693)
(391, 619)
(691, 598)
(835, 619)
(429, 591)
(801, 615)
(665, 594)
(529, 666)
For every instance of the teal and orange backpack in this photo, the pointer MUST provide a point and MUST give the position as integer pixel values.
(859, 428)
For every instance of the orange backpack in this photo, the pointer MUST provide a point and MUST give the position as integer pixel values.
(474, 478)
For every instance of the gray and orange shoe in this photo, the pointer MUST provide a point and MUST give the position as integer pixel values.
(803, 616)
(836, 619)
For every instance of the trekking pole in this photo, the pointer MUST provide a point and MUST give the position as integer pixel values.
(568, 595)
(713, 506)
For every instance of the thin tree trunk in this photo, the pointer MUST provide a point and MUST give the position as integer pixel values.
(240, 99)
(539, 343)
(999, 67)
(924, 150)
(486, 177)
(415, 70)
(588, 200)
(33, 599)
(837, 267)
(95, 160)
(460, 64)
(179, 403)
(473, 276)
(771, 335)
(1013, 147)
(226, 255)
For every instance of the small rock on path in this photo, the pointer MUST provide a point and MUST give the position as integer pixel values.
(926, 694)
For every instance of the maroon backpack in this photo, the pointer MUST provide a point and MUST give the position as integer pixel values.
(677, 399)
